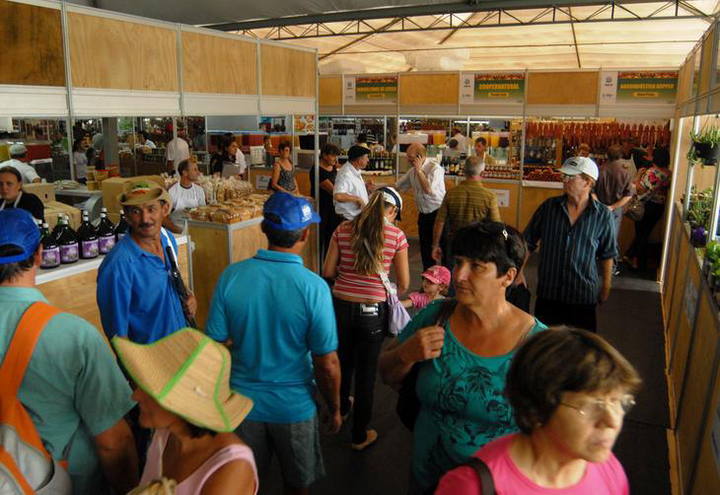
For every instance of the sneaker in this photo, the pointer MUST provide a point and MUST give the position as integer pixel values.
(616, 270)
(347, 414)
(371, 437)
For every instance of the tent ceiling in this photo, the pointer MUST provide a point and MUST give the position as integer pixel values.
(488, 35)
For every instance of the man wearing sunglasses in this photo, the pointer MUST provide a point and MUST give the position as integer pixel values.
(575, 233)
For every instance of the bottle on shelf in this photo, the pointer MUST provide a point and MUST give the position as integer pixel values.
(105, 233)
(67, 242)
(122, 228)
(51, 250)
(87, 235)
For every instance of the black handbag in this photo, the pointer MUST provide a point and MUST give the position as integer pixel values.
(487, 485)
(408, 404)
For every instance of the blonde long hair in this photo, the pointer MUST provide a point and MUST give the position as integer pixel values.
(368, 237)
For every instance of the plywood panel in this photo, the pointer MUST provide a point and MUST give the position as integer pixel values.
(113, 54)
(330, 91)
(671, 264)
(429, 89)
(701, 370)
(214, 64)
(210, 258)
(706, 68)
(32, 46)
(562, 88)
(508, 214)
(532, 198)
(288, 72)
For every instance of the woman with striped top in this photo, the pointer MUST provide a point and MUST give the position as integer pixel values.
(359, 250)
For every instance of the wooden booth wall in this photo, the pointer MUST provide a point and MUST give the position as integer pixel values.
(330, 91)
(215, 64)
(706, 67)
(429, 89)
(32, 45)
(288, 72)
(562, 88)
(134, 56)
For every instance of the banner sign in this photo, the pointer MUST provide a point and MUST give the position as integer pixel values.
(373, 90)
(488, 88)
(639, 88)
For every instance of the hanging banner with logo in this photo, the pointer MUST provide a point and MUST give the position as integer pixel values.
(372, 90)
(639, 88)
(488, 88)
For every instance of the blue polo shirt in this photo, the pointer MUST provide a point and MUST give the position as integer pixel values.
(277, 313)
(135, 294)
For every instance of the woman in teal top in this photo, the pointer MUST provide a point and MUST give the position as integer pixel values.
(461, 380)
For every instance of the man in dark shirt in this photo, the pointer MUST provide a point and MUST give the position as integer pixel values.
(575, 231)
(14, 197)
(615, 188)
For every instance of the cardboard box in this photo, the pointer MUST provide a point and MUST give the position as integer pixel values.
(113, 186)
(53, 208)
(46, 192)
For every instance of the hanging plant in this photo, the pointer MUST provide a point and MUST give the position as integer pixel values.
(705, 146)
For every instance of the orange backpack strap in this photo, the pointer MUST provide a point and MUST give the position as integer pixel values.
(23, 344)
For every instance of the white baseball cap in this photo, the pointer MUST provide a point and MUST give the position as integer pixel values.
(580, 165)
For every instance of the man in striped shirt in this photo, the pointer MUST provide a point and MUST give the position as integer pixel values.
(575, 231)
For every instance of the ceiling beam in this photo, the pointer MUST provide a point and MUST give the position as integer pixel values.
(414, 10)
(361, 38)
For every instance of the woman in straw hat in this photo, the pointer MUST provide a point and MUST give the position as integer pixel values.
(184, 394)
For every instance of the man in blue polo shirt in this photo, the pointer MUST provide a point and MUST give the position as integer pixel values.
(135, 293)
(283, 334)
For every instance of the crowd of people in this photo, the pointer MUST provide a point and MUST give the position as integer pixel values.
(488, 389)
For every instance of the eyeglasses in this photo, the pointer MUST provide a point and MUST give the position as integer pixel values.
(594, 410)
(567, 177)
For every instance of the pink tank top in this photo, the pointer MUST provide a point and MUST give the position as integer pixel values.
(193, 484)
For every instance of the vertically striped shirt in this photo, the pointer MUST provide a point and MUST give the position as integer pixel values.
(568, 254)
(349, 283)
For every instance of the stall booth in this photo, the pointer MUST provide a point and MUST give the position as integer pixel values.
(691, 280)
(532, 121)
(106, 93)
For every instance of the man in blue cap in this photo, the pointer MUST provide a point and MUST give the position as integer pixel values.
(73, 386)
(275, 329)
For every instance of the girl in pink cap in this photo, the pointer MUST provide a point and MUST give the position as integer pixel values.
(435, 281)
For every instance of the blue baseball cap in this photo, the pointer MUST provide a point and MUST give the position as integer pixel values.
(293, 212)
(18, 228)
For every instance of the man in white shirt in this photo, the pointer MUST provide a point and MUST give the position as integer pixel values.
(184, 194)
(350, 193)
(427, 179)
(18, 155)
(458, 136)
(482, 154)
(177, 150)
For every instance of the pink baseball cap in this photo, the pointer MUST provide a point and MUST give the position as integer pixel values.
(437, 274)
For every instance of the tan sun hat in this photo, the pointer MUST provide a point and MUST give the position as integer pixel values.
(188, 374)
(138, 192)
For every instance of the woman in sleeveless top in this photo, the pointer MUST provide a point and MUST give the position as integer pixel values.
(184, 395)
(283, 176)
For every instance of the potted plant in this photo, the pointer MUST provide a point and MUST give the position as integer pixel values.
(698, 215)
(705, 146)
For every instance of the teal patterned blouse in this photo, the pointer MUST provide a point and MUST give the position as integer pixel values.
(463, 405)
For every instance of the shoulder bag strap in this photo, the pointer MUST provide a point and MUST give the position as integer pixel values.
(383, 274)
(23, 344)
(487, 485)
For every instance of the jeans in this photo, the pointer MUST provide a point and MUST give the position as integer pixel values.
(426, 223)
(617, 223)
(558, 313)
(361, 329)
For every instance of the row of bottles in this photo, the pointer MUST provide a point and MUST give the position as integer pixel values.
(64, 246)
(453, 165)
(381, 160)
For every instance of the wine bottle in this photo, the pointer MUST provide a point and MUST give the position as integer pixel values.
(67, 242)
(51, 251)
(122, 229)
(88, 238)
(58, 227)
(105, 233)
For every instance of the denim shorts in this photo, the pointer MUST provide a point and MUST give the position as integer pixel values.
(297, 446)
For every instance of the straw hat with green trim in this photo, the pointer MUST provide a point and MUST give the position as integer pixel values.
(188, 374)
(139, 192)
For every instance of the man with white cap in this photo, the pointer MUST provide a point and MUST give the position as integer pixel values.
(283, 342)
(136, 291)
(18, 158)
(574, 231)
(71, 386)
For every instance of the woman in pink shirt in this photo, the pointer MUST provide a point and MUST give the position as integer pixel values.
(569, 390)
(183, 390)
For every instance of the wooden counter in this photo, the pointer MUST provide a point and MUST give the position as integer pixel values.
(72, 287)
(218, 245)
